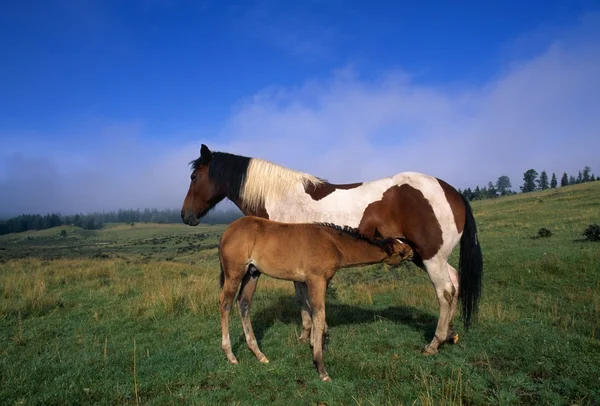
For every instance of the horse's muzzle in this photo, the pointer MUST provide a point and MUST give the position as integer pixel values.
(188, 217)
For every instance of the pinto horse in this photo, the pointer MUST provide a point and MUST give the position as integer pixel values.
(302, 252)
(424, 211)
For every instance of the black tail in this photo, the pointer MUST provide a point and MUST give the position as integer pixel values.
(470, 267)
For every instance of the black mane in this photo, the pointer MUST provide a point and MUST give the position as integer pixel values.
(227, 170)
(353, 232)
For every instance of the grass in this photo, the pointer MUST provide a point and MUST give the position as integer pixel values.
(128, 315)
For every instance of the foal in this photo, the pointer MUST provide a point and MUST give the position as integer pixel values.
(301, 252)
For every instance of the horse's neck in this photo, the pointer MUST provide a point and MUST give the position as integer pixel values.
(356, 252)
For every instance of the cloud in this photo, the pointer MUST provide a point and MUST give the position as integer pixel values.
(539, 112)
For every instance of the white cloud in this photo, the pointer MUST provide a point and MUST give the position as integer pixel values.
(540, 113)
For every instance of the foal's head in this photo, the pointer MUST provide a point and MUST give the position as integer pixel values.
(204, 193)
(397, 250)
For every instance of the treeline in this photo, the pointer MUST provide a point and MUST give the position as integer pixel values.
(532, 181)
(95, 221)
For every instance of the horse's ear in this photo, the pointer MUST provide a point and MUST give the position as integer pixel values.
(205, 153)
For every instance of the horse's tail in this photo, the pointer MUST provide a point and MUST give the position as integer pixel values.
(470, 267)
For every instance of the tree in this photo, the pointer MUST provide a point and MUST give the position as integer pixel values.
(553, 182)
(477, 193)
(491, 190)
(503, 185)
(593, 178)
(529, 178)
(564, 181)
(579, 178)
(586, 173)
(543, 181)
(572, 180)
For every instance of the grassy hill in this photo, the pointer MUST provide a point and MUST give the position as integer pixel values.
(130, 313)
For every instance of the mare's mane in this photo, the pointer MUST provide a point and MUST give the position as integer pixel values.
(254, 180)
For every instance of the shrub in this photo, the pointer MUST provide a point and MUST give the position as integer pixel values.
(592, 232)
(544, 232)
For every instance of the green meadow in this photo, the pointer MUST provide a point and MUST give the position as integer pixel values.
(129, 315)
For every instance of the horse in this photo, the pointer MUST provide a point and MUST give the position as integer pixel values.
(428, 213)
(309, 253)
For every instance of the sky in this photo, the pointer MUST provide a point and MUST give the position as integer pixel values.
(104, 103)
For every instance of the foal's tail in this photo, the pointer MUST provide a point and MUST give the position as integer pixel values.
(470, 267)
(222, 276)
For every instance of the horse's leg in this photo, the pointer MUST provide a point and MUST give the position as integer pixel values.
(230, 286)
(452, 334)
(245, 299)
(316, 291)
(437, 268)
(302, 299)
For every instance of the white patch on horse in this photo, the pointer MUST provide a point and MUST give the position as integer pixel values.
(342, 207)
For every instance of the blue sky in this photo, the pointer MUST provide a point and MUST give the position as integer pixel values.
(105, 102)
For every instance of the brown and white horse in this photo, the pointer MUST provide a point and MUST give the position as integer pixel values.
(301, 252)
(423, 210)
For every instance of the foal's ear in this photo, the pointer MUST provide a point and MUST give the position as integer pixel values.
(205, 153)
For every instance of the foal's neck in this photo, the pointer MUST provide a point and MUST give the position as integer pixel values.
(356, 252)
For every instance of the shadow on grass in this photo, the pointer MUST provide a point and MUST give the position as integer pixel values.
(286, 310)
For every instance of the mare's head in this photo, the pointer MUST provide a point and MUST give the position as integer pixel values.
(204, 193)
(397, 251)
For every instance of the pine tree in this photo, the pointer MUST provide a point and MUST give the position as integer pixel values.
(553, 182)
(572, 180)
(564, 181)
(586, 173)
(580, 178)
(543, 182)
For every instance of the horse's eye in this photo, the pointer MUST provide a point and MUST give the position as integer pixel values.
(193, 177)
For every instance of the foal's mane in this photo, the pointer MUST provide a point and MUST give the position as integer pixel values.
(254, 180)
(353, 232)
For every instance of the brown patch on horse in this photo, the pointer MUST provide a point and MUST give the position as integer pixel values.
(456, 204)
(318, 192)
(403, 211)
(258, 211)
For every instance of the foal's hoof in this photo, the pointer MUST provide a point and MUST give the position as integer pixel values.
(326, 378)
(429, 350)
(264, 360)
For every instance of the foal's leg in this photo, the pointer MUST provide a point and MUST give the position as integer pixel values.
(245, 299)
(303, 302)
(230, 286)
(316, 291)
(437, 269)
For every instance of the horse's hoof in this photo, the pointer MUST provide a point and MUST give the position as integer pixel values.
(264, 360)
(326, 379)
(453, 338)
(428, 350)
(233, 360)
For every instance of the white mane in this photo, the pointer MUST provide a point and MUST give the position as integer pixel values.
(266, 181)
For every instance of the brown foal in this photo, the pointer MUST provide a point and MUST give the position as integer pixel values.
(307, 253)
